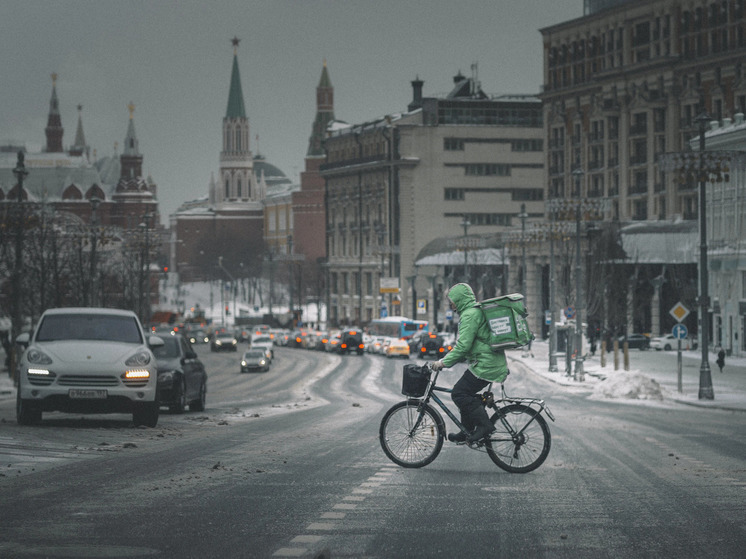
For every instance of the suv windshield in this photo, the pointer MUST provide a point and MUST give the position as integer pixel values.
(96, 327)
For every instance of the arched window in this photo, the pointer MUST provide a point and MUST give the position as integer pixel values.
(238, 187)
(227, 189)
(227, 140)
(238, 141)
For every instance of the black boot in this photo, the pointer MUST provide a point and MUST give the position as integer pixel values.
(460, 437)
(483, 424)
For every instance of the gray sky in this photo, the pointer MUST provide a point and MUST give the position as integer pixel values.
(172, 59)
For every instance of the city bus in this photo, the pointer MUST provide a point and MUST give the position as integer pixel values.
(396, 327)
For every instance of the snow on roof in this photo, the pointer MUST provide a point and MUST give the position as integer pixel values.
(661, 242)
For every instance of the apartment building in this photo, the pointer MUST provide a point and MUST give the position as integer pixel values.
(453, 170)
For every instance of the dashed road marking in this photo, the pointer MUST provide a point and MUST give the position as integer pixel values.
(349, 503)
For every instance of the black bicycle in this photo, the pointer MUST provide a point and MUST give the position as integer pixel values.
(412, 431)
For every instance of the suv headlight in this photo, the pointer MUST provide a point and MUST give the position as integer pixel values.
(37, 357)
(141, 358)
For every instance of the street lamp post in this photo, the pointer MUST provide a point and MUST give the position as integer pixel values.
(705, 377)
(579, 372)
(20, 173)
(523, 215)
(465, 224)
(233, 286)
(552, 294)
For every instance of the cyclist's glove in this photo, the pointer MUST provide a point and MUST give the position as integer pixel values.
(437, 365)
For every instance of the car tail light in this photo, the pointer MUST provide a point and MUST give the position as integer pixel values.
(344, 346)
(361, 346)
(423, 349)
(441, 350)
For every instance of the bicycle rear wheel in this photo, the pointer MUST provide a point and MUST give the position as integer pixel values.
(521, 441)
(409, 446)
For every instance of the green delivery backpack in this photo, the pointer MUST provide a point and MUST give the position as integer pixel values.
(506, 317)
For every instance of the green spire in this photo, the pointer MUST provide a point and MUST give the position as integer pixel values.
(235, 96)
(325, 81)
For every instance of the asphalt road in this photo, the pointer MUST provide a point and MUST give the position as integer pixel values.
(287, 463)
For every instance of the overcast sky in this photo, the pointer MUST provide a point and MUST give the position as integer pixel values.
(173, 59)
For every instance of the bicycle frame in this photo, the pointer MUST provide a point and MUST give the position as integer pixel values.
(490, 402)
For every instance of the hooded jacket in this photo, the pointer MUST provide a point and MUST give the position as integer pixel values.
(472, 333)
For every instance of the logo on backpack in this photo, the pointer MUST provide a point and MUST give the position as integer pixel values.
(506, 317)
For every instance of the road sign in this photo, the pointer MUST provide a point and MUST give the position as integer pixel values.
(569, 312)
(680, 332)
(679, 312)
(548, 318)
(421, 306)
(389, 285)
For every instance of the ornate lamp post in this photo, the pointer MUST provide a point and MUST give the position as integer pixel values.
(703, 166)
(705, 378)
(580, 209)
(20, 173)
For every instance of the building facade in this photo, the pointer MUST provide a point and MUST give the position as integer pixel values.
(458, 168)
(624, 85)
(623, 88)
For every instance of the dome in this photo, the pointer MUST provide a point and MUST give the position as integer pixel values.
(272, 174)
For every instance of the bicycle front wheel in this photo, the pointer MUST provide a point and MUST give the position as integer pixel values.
(411, 434)
(521, 441)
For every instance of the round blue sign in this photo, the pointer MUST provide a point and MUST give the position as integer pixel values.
(680, 332)
(569, 312)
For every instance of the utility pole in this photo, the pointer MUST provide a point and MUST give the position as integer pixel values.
(20, 173)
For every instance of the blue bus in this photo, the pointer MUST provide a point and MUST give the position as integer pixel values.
(396, 327)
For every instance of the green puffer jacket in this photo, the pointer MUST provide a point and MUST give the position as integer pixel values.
(472, 331)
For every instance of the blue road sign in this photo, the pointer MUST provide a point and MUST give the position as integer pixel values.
(569, 312)
(680, 332)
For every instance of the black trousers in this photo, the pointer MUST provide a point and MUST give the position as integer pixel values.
(465, 391)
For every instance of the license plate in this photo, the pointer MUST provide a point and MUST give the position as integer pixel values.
(89, 394)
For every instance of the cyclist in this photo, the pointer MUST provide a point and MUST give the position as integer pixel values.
(485, 366)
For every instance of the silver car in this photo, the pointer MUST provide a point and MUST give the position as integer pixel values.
(88, 360)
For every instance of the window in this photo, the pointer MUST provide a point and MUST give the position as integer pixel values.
(527, 145)
(453, 144)
(454, 194)
(227, 189)
(487, 169)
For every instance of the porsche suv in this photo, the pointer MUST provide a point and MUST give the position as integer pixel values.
(88, 360)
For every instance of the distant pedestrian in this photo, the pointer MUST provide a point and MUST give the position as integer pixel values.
(721, 359)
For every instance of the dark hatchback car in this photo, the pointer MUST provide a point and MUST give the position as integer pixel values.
(182, 379)
(351, 340)
(424, 344)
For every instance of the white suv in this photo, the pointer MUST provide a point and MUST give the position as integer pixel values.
(88, 360)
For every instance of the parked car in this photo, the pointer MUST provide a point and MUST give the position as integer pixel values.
(669, 342)
(88, 360)
(424, 344)
(224, 341)
(255, 360)
(182, 379)
(636, 341)
(351, 339)
(398, 348)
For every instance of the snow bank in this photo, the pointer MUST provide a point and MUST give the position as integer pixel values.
(628, 386)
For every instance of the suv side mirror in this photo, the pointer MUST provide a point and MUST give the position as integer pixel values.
(155, 341)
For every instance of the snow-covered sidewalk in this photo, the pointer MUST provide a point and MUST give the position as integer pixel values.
(646, 382)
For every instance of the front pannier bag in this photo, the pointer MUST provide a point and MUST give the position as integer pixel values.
(414, 380)
(506, 317)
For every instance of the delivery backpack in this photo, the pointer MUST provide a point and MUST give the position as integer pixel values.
(506, 318)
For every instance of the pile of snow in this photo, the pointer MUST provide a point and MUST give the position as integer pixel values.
(628, 386)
